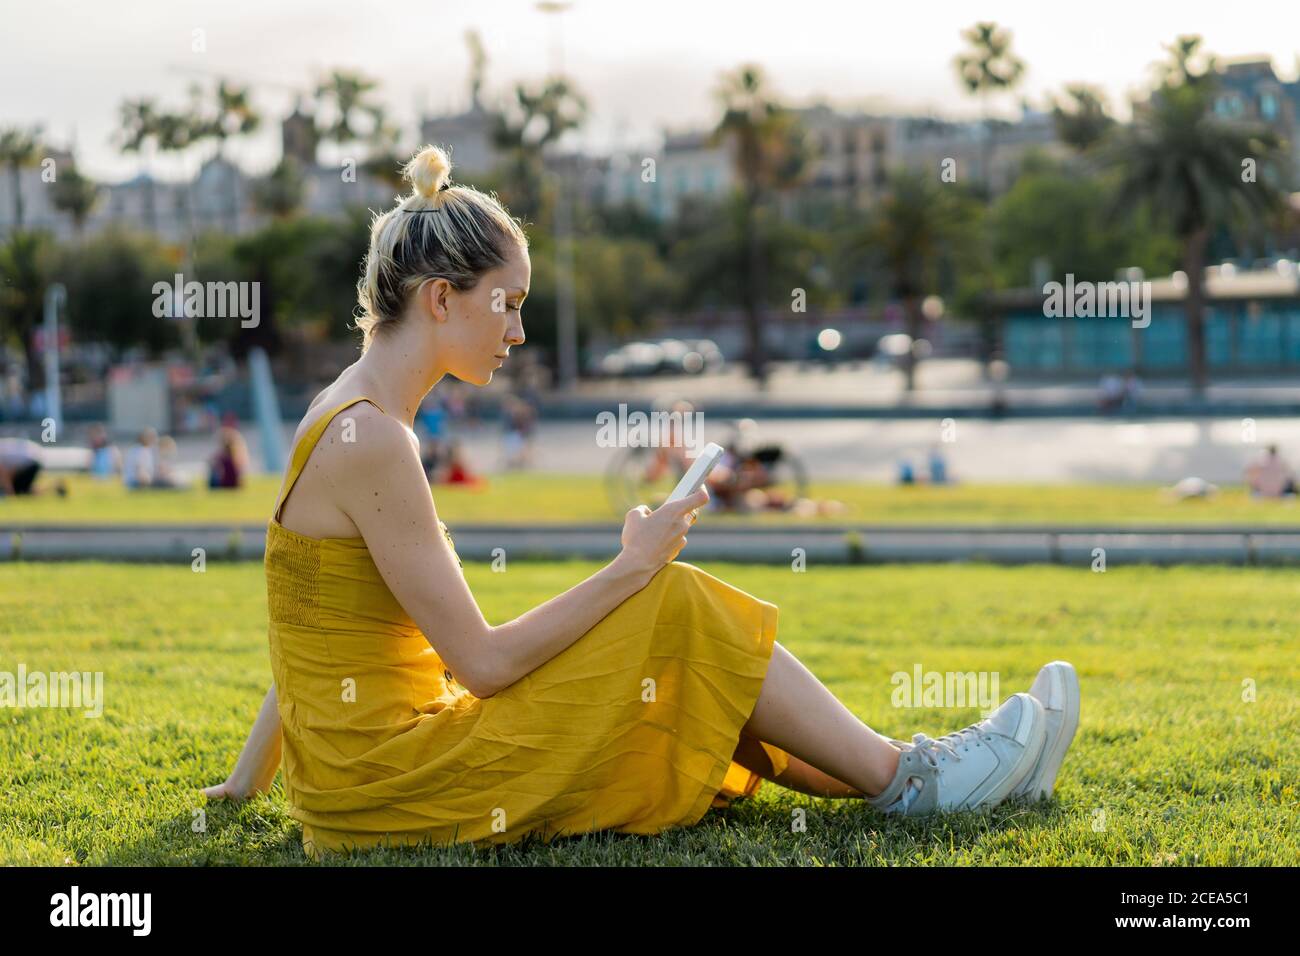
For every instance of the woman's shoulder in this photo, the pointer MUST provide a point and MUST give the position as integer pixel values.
(361, 438)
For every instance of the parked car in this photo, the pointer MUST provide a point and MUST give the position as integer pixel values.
(660, 357)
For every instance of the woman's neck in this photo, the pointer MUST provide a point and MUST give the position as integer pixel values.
(399, 372)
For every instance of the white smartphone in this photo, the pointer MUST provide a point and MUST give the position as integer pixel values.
(698, 472)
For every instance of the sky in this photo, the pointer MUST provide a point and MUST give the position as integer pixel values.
(644, 66)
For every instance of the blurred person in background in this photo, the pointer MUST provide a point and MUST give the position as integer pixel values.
(457, 471)
(141, 462)
(164, 475)
(938, 467)
(1130, 392)
(230, 462)
(521, 421)
(20, 463)
(105, 457)
(1269, 475)
(433, 456)
(432, 417)
(1110, 392)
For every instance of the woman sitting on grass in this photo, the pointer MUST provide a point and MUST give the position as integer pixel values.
(633, 701)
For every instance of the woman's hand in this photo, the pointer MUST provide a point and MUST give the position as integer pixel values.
(232, 788)
(227, 790)
(652, 539)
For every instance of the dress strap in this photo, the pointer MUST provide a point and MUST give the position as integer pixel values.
(302, 451)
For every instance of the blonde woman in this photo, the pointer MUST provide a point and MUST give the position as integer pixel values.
(634, 701)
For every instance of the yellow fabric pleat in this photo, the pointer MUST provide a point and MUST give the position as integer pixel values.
(631, 728)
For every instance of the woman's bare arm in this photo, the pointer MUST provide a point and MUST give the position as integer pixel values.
(378, 481)
(255, 770)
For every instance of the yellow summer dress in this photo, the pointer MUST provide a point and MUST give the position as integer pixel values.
(632, 727)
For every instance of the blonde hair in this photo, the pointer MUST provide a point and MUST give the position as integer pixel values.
(442, 231)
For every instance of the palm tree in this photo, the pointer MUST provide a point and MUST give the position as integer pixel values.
(386, 159)
(137, 131)
(76, 195)
(544, 115)
(175, 133)
(915, 223)
(770, 154)
(25, 267)
(346, 95)
(18, 148)
(988, 67)
(233, 115)
(1185, 164)
(1081, 119)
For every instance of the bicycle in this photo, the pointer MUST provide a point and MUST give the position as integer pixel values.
(750, 477)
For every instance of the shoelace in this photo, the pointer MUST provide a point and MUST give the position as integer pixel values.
(931, 748)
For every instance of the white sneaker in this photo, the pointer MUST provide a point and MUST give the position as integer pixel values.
(975, 767)
(1057, 688)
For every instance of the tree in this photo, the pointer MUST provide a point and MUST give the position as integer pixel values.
(1081, 119)
(76, 195)
(110, 280)
(232, 115)
(1056, 214)
(770, 154)
(916, 223)
(986, 68)
(281, 194)
(26, 264)
(711, 252)
(138, 130)
(354, 117)
(18, 148)
(543, 114)
(1191, 169)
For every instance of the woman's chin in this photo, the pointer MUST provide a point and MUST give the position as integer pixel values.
(484, 378)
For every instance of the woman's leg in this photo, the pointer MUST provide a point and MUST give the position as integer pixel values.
(798, 714)
(800, 776)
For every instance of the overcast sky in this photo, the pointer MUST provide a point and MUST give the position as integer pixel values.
(643, 65)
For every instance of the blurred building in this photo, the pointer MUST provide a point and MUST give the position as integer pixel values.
(469, 136)
(1252, 327)
(220, 196)
(850, 157)
(687, 166)
(1252, 90)
(981, 153)
(850, 154)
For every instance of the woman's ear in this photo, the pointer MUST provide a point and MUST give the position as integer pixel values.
(435, 292)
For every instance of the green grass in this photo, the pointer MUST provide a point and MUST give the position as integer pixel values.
(514, 498)
(1185, 771)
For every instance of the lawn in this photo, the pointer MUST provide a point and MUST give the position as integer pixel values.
(1170, 765)
(543, 498)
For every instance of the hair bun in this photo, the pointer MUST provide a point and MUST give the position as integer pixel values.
(428, 171)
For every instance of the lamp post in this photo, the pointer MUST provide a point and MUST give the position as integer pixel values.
(565, 319)
(55, 297)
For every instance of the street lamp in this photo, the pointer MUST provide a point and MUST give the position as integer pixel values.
(56, 296)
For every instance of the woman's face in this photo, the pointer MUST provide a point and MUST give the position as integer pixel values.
(483, 323)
